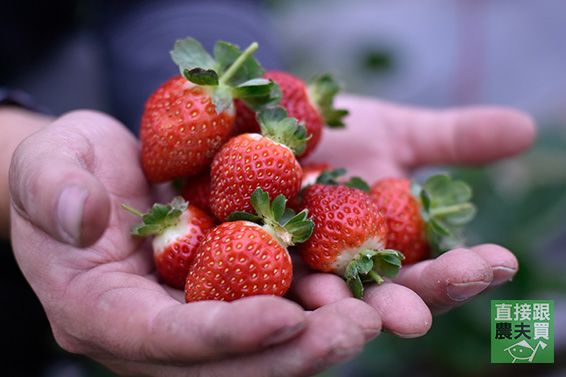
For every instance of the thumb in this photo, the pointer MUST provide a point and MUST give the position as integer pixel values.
(52, 185)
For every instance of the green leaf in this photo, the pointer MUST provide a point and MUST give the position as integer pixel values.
(222, 98)
(201, 76)
(322, 89)
(271, 116)
(446, 208)
(287, 216)
(331, 176)
(300, 227)
(356, 286)
(143, 230)
(463, 215)
(189, 54)
(245, 216)
(259, 88)
(444, 191)
(277, 126)
(260, 102)
(261, 202)
(365, 265)
(358, 183)
(389, 262)
(278, 207)
(159, 218)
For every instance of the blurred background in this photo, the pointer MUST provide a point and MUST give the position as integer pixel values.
(436, 53)
(442, 53)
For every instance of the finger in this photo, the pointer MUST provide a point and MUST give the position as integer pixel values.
(474, 135)
(328, 338)
(363, 315)
(316, 289)
(503, 263)
(401, 310)
(449, 280)
(144, 324)
(211, 330)
(53, 180)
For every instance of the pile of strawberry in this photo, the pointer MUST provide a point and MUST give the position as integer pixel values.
(235, 137)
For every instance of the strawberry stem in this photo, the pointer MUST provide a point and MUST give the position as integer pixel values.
(447, 210)
(375, 276)
(238, 63)
(132, 210)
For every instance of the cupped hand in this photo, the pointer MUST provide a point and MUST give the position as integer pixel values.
(99, 288)
(98, 285)
(383, 139)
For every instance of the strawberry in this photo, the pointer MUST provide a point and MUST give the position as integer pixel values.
(249, 161)
(248, 255)
(196, 190)
(310, 104)
(313, 170)
(349, 236)
(178, 229)
(426, 220)
(189, 117)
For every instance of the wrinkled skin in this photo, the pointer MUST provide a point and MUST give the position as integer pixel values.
(99, 288)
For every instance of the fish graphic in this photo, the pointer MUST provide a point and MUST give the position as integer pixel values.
(524, 351)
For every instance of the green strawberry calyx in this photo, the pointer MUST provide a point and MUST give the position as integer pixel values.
(322, 90)
(370, 266)
(286, 226)
(446, 208)
(336, 177)
(276, 125)
(232, 73)
(160, 218)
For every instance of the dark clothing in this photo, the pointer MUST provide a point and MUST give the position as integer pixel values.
(110, 55)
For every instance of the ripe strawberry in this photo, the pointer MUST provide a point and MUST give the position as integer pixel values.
(196, 190)
(190, 116)
(249, 161)
(243, 258)
(349, 236)
(310, 104)
(426, 220)
(178, 229)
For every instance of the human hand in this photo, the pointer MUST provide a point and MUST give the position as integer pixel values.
(98, 284)
(147, 330)
(384, 139)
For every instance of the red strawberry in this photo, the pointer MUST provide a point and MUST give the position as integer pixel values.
(249, 161)
(349, 236)
(310, 104)
(181, 130)
(426, 220)
(242, 258)
(196, 190)
(189, 117)
(178, 229)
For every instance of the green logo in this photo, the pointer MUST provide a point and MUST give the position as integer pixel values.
(522, 331)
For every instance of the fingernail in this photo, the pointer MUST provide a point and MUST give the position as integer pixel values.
(70, 213)
(464, 291)
(503, 275)
(371, 334)
(284, 334)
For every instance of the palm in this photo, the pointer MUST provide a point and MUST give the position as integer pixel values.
(104, 300)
